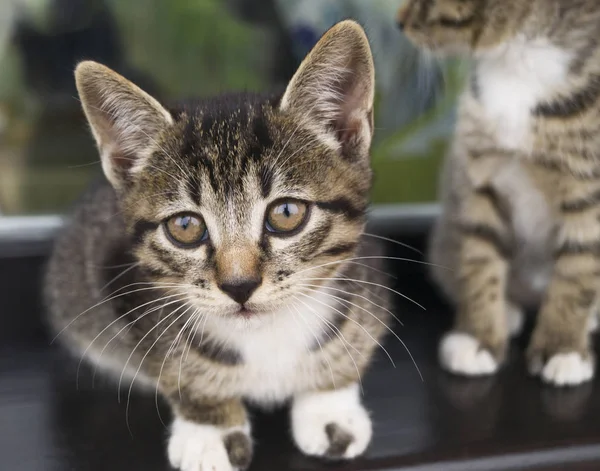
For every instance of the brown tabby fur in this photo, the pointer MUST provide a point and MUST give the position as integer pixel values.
(224, 158)
(544, 216)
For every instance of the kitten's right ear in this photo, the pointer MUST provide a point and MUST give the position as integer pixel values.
(334, 88)
(124, 119)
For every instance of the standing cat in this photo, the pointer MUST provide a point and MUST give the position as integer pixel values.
(521, 186)
(242, 218)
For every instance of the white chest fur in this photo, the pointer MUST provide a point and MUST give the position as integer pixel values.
(275, 352)
(512, 80)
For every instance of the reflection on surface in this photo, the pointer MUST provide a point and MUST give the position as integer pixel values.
(47, 423)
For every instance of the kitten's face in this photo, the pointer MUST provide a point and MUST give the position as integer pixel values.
(461, 27)
(249, 196)
(243, 205)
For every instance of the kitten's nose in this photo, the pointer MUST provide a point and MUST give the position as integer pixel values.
(240, 290)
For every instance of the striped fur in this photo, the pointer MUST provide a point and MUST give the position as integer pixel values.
(312, 328)
(521, 186)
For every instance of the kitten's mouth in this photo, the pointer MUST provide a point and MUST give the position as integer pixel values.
(245, 312)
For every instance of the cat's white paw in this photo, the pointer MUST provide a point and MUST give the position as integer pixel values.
(462, 354)
(516, 320)
(194, 447)
(568, 369)
(331, 424)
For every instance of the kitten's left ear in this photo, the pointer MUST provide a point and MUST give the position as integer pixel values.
(334, 89)
(125, 120)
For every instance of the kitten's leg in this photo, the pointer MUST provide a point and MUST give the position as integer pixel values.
(477, 345)
(332, 424)
(560, 345)
(209, 435)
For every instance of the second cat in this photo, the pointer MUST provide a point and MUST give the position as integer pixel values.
(521, 186)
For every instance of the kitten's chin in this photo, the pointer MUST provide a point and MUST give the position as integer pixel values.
(253, 315)
(250, 316)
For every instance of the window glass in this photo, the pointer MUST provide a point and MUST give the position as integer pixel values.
(180, 48)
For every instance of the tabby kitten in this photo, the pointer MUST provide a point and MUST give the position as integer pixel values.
(521, 186)
(243, 217)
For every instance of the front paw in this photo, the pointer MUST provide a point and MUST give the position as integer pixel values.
(561, 369)
(331, 424)
(195, 447)
(463, 354)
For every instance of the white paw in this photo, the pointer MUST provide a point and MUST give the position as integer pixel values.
(194, 447)
(462, 354)
(568, 369)
(333, 424)
(516, 320)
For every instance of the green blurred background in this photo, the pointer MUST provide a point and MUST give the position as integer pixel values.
(181, 48)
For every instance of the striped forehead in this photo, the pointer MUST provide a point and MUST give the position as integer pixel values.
(225, 154)
(223, 163)
(235, 162)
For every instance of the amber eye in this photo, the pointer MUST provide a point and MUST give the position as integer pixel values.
(286, 216)
(186, 230)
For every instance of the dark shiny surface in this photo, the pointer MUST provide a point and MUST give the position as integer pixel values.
(511, 421)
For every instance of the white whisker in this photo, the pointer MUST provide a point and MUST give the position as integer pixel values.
(318, 342)
(144, 357)
(378, 320)
(353, 321)
(110, 298)
(402, 244)
(355, 295)
(342, 339)
(373, 257)
(123, 328)
(123, 273)
(367, 283)
(203, 316)
(160, 375)
(191, 321)
(141, 341)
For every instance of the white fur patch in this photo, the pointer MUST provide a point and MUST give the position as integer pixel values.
(516, 319)
(194, 447)
(462, 354)
(568, 369)
(274, 347)
(533, 224)
(312, 412)
(531, 214)
(513, 79)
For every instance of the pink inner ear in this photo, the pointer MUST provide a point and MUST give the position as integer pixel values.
(349, 131)
(121, 161)
(348, 125)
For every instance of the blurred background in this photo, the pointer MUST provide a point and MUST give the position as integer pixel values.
(180, 48)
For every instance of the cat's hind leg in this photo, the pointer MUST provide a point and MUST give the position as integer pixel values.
(475, 249)
(560, 351)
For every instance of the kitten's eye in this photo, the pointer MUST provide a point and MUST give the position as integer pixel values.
(286, 216)
(186, 230)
